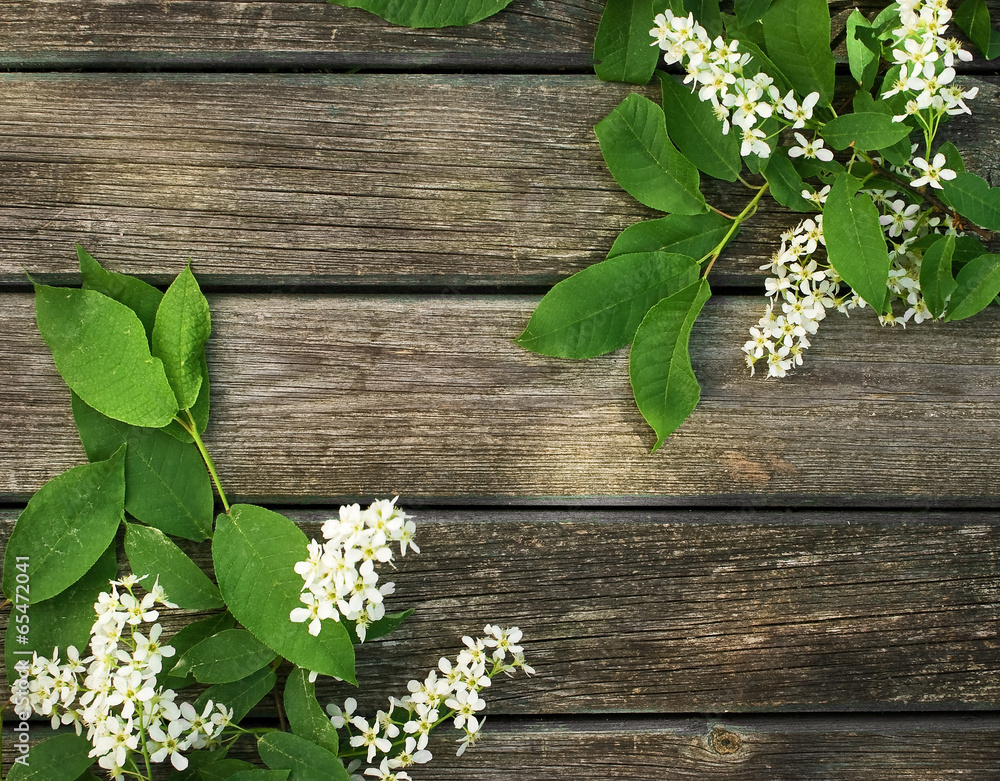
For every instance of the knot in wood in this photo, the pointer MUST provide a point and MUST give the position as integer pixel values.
(723, 741)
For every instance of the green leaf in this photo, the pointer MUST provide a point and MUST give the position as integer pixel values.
(166, 482)
(953, 158)
(598, 309)
(622, 49)
(100, 349)
(693, 235)
(693, 126)
(429, 13)
(977, 284)
(785, 182)
(240, 695)
(63, 620)
(199, 761)
(187, 638)
(66, 527)
(199, 411)
(151, 553)
(259, 774)
(224, 657)
(141, 297)
(307, 761)
(665, 388)
(707, 13)
(897, 153)
(62, 758)
(305, 715)
(642, 160)
(380, 628)
(225, 769)
(863, 50)
(973, 18)
(183, 325)
(974, 199)
(797, 33)
(255, 552)
(936, 280)
(855, 243)
(870, 130)
(749, 11)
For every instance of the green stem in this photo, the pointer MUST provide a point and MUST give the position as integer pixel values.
(739, 219)
(192, 428)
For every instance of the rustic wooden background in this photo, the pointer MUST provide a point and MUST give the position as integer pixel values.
(802, 583)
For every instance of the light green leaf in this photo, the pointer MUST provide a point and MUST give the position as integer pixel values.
(644, 162)
(199, 411)
(693, 126)
(936, 280)
(974, 199)
(897, 153)
(141, 297)
(870, 130)
(62, 758)
(306, 760)
(166, 482)
(187, 638)
(240, 695)
(100, 349)
(183, 325)
(855, 243)
(224, 657)
(863, 50)
(622, 46)
(973, 18)
(797, 33)
(63, 620)
(663, 383)
(749, 11)
(682, 234)
(429, 13)
(785, 182)
(151, 553)
(976, 285)
(255, 552)
(305, 715)
(598, 309)
(66, 527)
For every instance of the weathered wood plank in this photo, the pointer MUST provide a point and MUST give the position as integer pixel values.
(694, 612)
(338, 180)
(799, 748)
(321, 397)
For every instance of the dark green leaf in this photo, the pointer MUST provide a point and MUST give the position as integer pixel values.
(306, 760)
(977, 284)
(183, 325)
(748, 11)
(665, 388)
(598, 309)
(863, 50)
(797, 33)
(65, 619)
(707, 13)
(429, 13)
(166, 482)
(305, 715)
(644, 162)
(151, 553)
(224, 657)
(865, 131)
(897, 153)
(141, 297)
(974, 199)
(380, 628)
(255, 552)
(622, 49)
(66, 527)
(973, 18)
(100, 349)
(62, 758)
(855, 243)
(259, 774)
(224, 769)
(240, 695)
(197, 762)
(186, 638)
(693, 126)
(936, 280)
(786, 184)
(693, 235)
(953, 158)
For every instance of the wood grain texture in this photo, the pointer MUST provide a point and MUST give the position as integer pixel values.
(730, 749)
(267, 181)
(321, 397)
(695, 612)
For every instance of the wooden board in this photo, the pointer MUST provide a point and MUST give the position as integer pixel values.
(698, 612)
(354, 181)
(321, 397)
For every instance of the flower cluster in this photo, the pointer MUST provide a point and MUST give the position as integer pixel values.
(716, 70)
(113, 692)
(339, 577)
(397, 738)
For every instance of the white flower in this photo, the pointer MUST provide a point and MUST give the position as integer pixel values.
(754, 143)
(933, 172)
(811, 149)
(797, 113)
